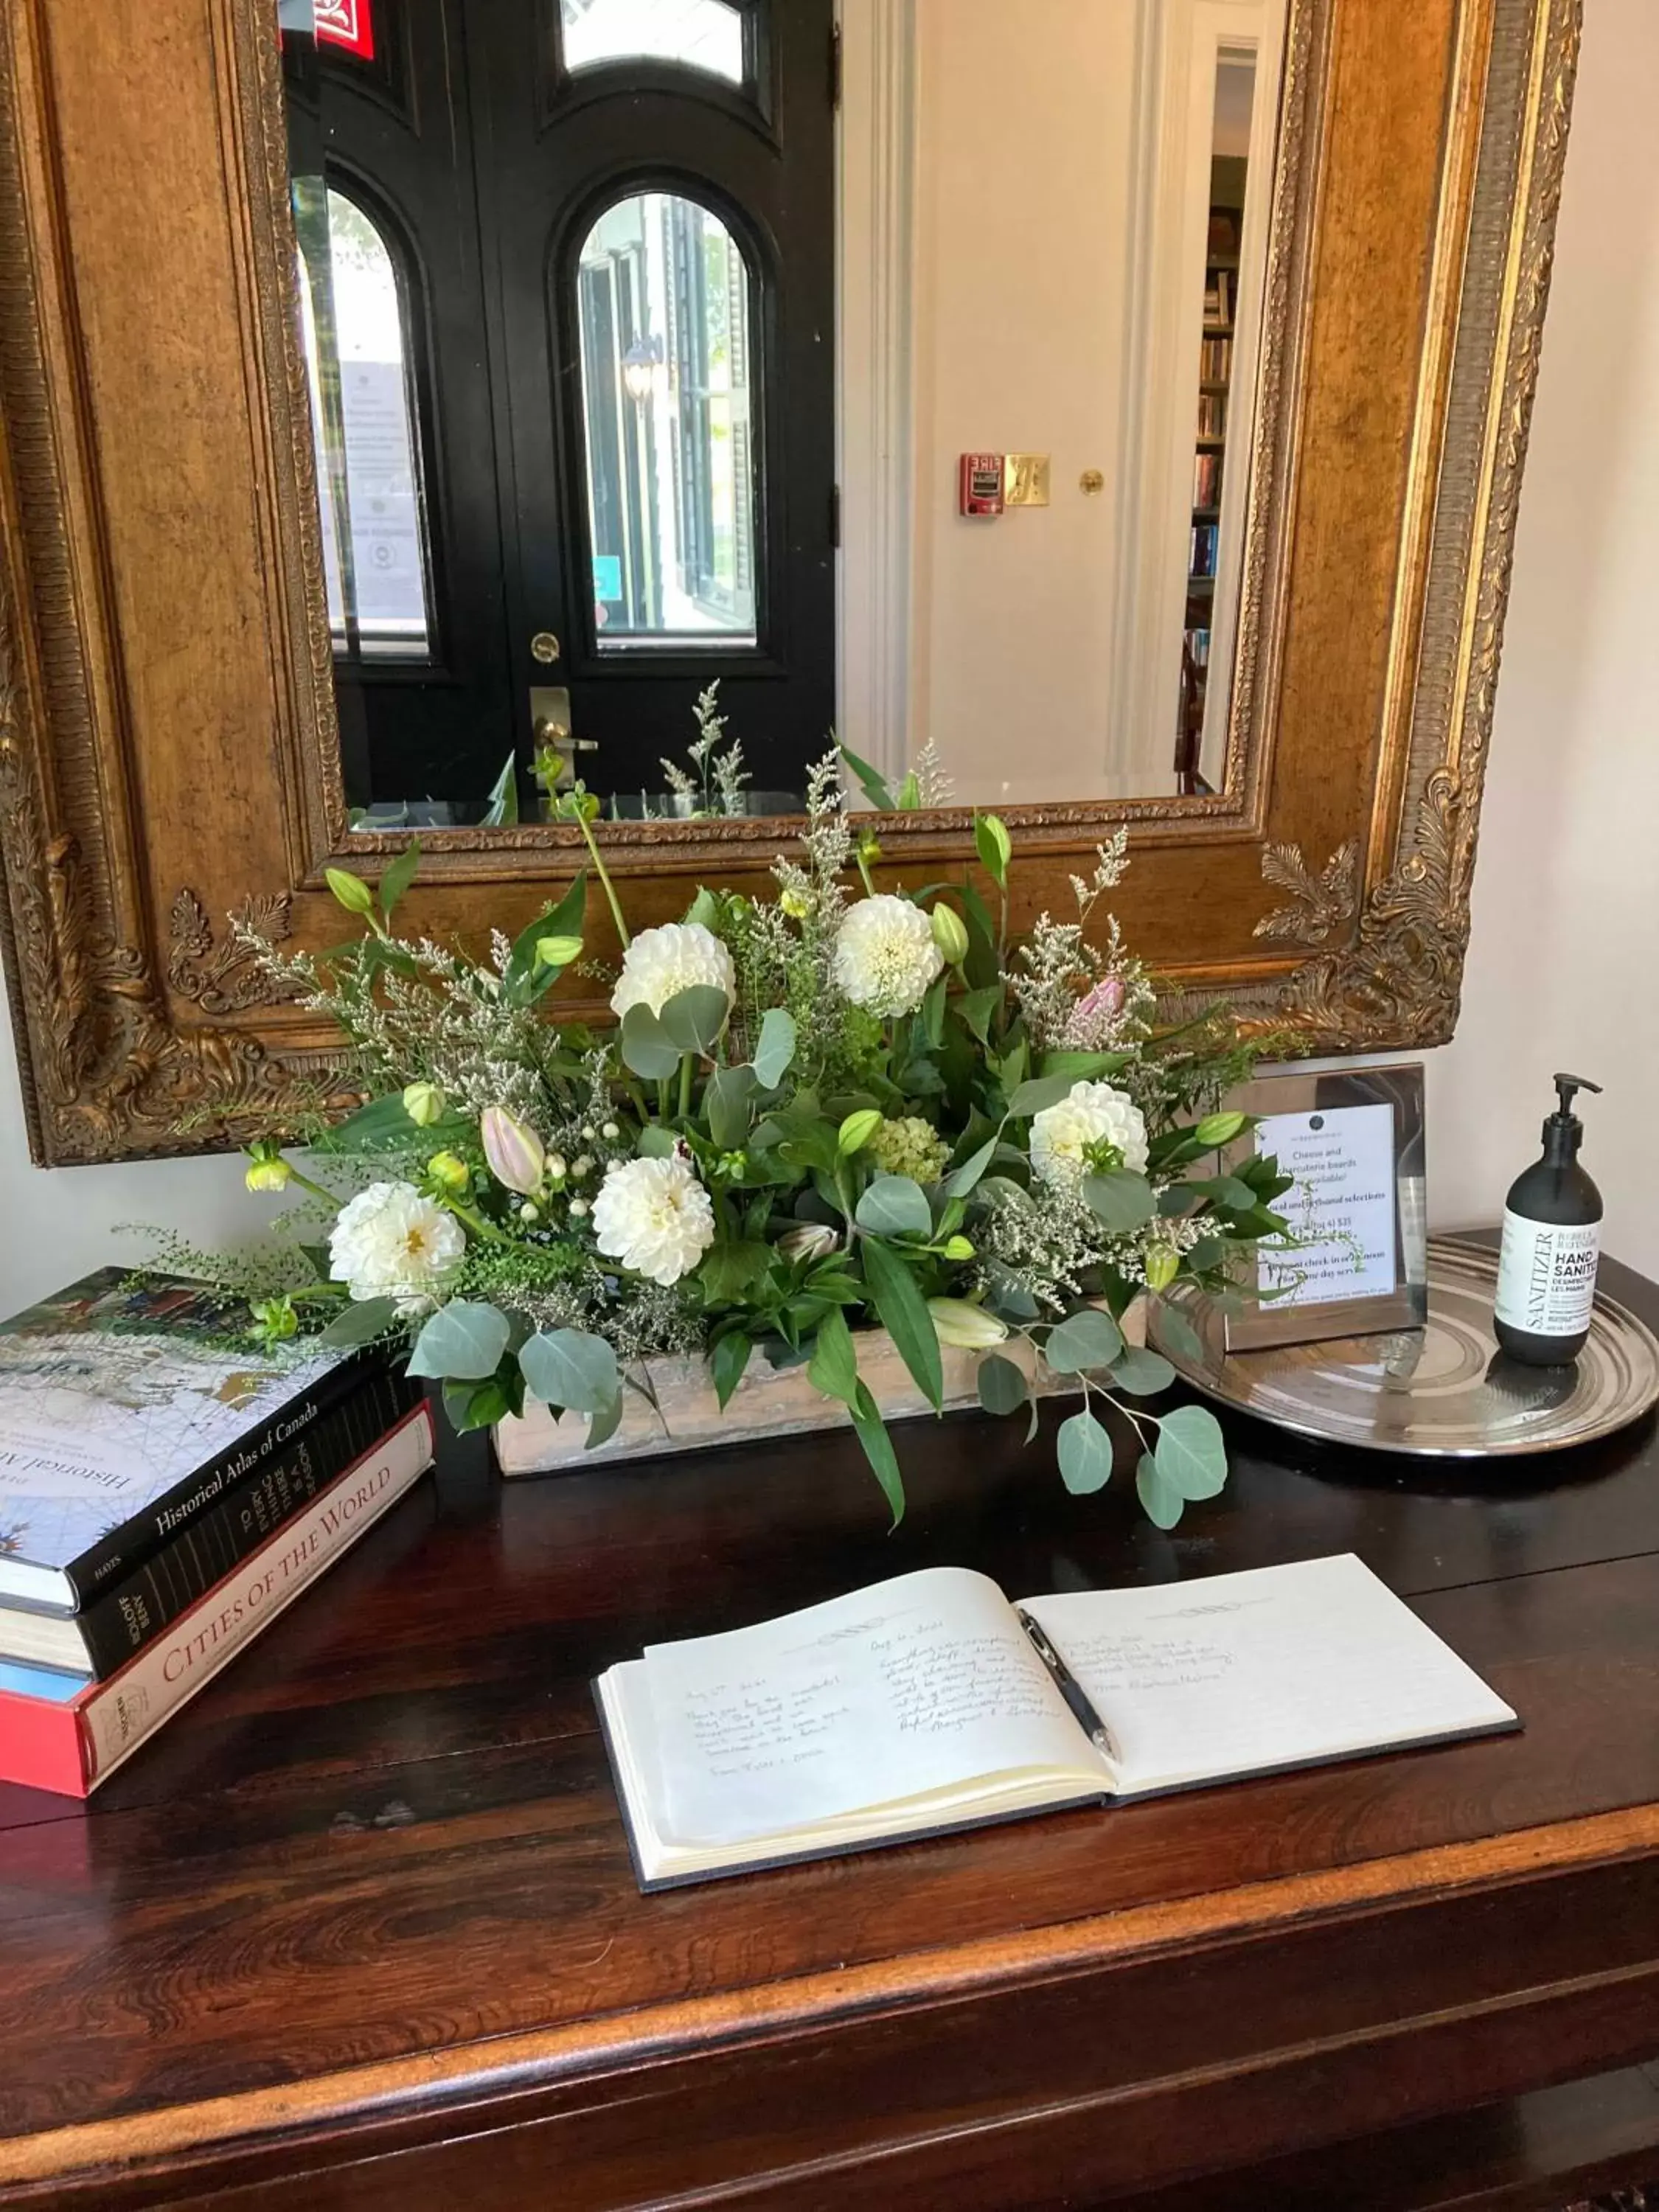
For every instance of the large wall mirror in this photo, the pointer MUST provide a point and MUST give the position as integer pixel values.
(1100, 410)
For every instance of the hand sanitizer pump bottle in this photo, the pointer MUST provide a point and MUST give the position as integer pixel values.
(1552, 1244)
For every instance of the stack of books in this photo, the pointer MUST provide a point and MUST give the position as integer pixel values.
(164, 1493)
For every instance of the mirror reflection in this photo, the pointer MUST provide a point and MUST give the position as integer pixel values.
(589, 475)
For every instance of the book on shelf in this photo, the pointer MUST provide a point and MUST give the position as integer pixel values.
(61, 1733)
(1219, 296)
(1204, 549)
(1206, 480)
(932, 1702)
(1198, 647)
(124, 1418)
(1215, 361)
(125, 1615)
(1212, 414)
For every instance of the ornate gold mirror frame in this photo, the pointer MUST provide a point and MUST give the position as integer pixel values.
(167, 745)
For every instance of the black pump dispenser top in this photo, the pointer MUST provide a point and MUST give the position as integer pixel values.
(1564, 1132)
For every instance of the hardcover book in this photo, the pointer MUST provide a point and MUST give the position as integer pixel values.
(123, 1417)
(58, 1732)
(128, 1612)
(931, 1703)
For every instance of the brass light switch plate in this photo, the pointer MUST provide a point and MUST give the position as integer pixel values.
(1026, 480)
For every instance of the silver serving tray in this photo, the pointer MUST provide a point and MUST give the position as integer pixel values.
(1443, 1391)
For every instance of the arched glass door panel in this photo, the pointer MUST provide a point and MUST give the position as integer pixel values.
(668, 413)
(702, 34)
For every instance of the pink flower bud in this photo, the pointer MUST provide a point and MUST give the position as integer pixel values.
(516, 1155)
(1106, 1000)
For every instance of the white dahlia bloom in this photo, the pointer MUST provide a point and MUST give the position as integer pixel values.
(662, 963)
(1062, 1134)
(653, 1216)
(390, 1242)
(885, 955)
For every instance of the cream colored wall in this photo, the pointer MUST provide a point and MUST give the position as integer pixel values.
(1564, 967)
(1564, 964)
(1023, 169)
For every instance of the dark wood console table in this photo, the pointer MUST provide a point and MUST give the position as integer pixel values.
(359, 1930)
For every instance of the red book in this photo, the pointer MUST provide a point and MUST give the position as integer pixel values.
(69, 1743)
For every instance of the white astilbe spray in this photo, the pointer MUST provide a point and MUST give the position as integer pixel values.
(933, 786)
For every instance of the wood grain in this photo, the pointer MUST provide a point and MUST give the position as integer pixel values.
(364, 1912)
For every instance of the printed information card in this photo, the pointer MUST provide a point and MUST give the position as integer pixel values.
(1342, 1208)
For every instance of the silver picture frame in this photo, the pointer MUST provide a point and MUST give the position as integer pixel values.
(1316, 1315)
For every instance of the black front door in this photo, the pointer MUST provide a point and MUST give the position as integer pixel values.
(611, 481)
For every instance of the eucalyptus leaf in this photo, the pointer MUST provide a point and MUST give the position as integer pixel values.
(476, 1405)
(1085, 1341)
(894, 1206)
(1159, 1497)
(905, 1316)
(1086, 1454)
(647, 1047)
(1002, 1386)
(694, 1018)
(1085, 1067)
(657, 1143)
(568, 1367)
(727, 1102)
(462, 1342)
(1191, 1452)
(604, 1423)
(775, 1051)
(360, 1322)
(1120, 1200)
(1143, 1374)
(1175, 1330)
(1038, 1094)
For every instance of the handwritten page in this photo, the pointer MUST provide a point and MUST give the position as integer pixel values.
(1235, 1673)
(924, 1684)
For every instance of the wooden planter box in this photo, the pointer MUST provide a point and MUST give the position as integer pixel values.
(769, 1402)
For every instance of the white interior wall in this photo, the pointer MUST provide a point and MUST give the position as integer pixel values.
(1566, 948)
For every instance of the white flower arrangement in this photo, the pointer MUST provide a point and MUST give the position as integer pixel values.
(818, 1111)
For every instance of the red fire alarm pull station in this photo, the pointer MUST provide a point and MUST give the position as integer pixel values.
(979, 484)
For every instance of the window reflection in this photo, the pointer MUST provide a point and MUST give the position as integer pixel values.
(1217, 507)
(703, 34)
(369, 475)
(666, 374)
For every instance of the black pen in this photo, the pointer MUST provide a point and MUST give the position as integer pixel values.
(1068, 1685)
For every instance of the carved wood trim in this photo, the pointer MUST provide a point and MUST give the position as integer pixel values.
(140, 1032)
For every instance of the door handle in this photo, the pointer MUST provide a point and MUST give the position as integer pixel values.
(555, 749)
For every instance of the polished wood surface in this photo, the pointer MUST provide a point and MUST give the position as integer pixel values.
(361, 1926)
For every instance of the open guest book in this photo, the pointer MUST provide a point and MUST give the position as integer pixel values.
(932, 1702)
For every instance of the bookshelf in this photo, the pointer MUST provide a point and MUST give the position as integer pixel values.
(1210, 427)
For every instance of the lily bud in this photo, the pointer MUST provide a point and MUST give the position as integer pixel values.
(1218, 1129)
(958, 1248)
(812, 1241)
(857, 1130)
(424, 1103)
(516, 1154)
(267, 1169)
(351, 892)
(277, 1319)
(1162, 1265)
(448, 1173)
(557, 952)
(950, 935)
(966, 1327)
